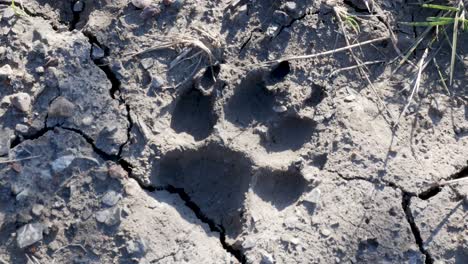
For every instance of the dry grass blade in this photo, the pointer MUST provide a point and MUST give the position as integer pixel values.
(183, 41)
(441, 77)
(450, 182)
(413, 47)
(356, 66)
(416, 86)
(363, 69)
(16, 160)
(454, 42)
(180, 57)
(188, 44)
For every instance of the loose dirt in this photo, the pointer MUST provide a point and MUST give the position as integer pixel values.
(176, 132)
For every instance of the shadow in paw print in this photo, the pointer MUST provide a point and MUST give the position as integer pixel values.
(316, 96)
(290, 133)
(279, 72)
(367, 251)
(280, 188)
(194, 115)
(216, 179)
(251, 101)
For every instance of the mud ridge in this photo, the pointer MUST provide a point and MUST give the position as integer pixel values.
(406, 203)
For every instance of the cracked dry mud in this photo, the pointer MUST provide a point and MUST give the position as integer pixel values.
(119, 146)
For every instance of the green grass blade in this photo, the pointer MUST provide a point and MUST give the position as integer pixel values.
(441, 7)
(451, 19)
(428, 23)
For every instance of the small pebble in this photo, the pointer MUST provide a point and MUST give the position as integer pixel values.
(110, 217)
(267, 258)
(87, 121)
(280, 108)
(78, 6)
(131, 187)
(141, 3)
(97, 53)
(281, 17)
(62, 163)
(325, 232)
(29, 234)
(272, 30)
(249, 242)
(147, 63)
(313, 197)
(136, 247)
(21, 128)
(117, 172)
(5, 140)
(54, 245)
(6, 71)
(157, 82)
(291, 8)
(61, 107)
(37, 209)
(21, 101)
(2, 219)
(40, 69)
(111, 198)
(350, 98)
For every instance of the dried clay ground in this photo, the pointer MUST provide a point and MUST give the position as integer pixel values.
(191, 132)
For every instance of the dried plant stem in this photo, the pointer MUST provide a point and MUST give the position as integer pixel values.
(16, 160)
(442, 183)
(356, 66)
(416, 86)
(328, 52)
(364, 70)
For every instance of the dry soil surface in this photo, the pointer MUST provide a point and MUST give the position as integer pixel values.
(185, 131)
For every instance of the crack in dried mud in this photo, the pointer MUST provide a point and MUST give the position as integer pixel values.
(436, 189)
(406, 203)
(116, 85)
(171, 189)
(76, 16)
